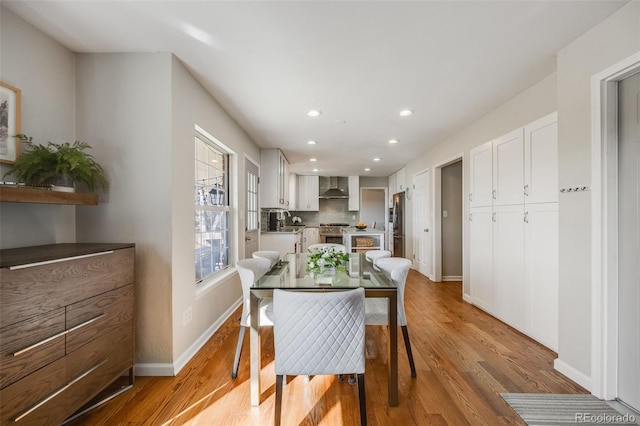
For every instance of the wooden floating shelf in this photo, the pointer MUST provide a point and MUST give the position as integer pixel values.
(11, 194)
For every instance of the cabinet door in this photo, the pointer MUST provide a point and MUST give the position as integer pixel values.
(392, 189)
(541, 160)
(354, 193)
(401, 180)
(508, 169)
(481, 170)
(481, 257)
(308, 192)
(541, 272)
(294, 189)
(508, 265)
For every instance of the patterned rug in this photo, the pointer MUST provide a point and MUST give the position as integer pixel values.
(554, 409)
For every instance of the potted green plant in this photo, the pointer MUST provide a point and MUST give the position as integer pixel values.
(57, 165)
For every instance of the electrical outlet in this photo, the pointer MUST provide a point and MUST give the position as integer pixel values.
(445, 213)
(353, 217)
(187, 316)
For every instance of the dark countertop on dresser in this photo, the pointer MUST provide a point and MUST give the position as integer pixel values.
(26, 255)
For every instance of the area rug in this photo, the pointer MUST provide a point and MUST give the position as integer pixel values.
(554, 409)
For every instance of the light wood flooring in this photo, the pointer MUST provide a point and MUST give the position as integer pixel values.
(464, 357)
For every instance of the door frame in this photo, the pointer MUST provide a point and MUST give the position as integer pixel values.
(437, 215)
(243, 214)
(604, 229)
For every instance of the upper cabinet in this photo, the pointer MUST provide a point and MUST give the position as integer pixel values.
(481, 171)
(354, 193)
(397, 183)
(508, 169)
(274, 185)
(541, 160)
(308, 192)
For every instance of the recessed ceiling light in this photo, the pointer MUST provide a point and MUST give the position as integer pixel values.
(311, 143)
(314, 113)
(315, 170)
(312, 159)
(376, 159)
(405, 113)
(367, 169)
(393, 140)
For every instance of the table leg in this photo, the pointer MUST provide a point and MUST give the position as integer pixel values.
(393, 350)
(255, 346)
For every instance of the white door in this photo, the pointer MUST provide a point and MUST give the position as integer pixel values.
(508, 169)
(481, 171)
(541, 272)
(541, 160)
(481, 257)
(629, 242)
(508, 265)
(422, 231)
(252, 215)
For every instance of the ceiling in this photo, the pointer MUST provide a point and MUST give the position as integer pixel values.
(268, 63)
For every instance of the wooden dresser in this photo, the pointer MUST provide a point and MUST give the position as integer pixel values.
(66, 329)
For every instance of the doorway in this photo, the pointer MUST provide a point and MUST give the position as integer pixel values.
(615, 288)
(373, 207)
(451, 206)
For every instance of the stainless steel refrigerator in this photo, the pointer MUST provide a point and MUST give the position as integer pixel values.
(397, 217)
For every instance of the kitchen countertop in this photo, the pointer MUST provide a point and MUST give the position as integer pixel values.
(354, 230)
(286, 230)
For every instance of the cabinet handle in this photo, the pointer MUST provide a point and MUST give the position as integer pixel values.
(58, 392)
(470, 196)
(526, 190)
(493, 217)
(470, 217)
(64, 259)
(526, 217)
(55, 336)
(493, 194)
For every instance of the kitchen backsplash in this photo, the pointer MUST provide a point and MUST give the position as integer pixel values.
(331, 211)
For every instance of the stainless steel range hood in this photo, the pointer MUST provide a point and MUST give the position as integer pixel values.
(333, 191)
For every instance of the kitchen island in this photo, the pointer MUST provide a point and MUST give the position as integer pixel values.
(285, 240)
(362, 240)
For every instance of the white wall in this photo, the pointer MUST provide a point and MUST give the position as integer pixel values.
(613, 40)
(44, 71)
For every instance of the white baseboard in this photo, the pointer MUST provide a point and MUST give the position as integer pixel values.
(452, 278)
(467, 298)
(575, 375)
(171, 369)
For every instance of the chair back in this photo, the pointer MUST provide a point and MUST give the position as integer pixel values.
(250, 271)
(338, 247)
(398, 269)
(373, 255)
(319, 333)
(272, 255)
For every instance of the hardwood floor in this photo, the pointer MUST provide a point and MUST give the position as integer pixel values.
(464, 357)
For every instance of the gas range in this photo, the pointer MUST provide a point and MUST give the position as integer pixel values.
(332, 229)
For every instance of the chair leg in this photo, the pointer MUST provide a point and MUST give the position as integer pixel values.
(236, 361)
(278, 407)
(407, 344)
(363, 400)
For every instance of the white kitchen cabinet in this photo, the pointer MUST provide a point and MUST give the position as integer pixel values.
(481, 171)
(282, 242)
(508, 265)
(310, 235)
(274, 179)
(308, 193)
(293, 191)
(401, 180)
(354, 193)
(481, 257)
(541, 272)
(508, 169)
(541, 160)
(362, 241)
(392, 188)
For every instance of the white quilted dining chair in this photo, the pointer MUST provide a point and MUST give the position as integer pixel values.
(272, 255)
(250, 270)
(373, 255)
(318, 333)
(376, 308)
(320, 246)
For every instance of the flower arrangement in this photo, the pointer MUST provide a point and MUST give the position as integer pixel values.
(326, 258)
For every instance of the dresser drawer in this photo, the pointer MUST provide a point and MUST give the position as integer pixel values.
(29, 345)
(36, 289)
(37, 399)
(97, 364)
(98, 315)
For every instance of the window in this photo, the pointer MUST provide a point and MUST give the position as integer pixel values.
(212, 211)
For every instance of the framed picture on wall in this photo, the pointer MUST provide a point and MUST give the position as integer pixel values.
(9, 123)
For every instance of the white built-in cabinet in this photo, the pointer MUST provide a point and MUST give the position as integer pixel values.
(354, 193)
(310, 236)
(397, 183)
(514, 229)
(308, 193)
(274, 179)
(293, 191)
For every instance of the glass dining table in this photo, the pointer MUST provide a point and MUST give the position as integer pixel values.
(290, 274)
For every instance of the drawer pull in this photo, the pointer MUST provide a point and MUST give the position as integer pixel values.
(64, 259)
(55, 336)
(58, 392)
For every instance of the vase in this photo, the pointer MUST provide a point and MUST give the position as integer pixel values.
(64, 184)
(325, 276)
